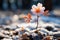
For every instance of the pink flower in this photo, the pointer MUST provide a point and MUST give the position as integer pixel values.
(38, 9)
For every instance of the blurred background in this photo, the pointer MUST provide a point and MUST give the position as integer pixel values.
(26, 4)
(11, 7)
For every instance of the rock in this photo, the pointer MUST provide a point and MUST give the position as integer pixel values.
(6, 39)
(49, 28)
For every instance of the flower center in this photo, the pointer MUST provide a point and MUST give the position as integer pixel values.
(37, 10)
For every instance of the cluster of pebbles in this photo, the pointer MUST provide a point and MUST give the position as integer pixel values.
(8, 32)
(20, 30)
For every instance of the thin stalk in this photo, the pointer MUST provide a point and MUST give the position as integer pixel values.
(37, 21)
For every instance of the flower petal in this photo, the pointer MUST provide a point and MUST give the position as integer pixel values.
(43, 8)
(39, 5)
(34, 6)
